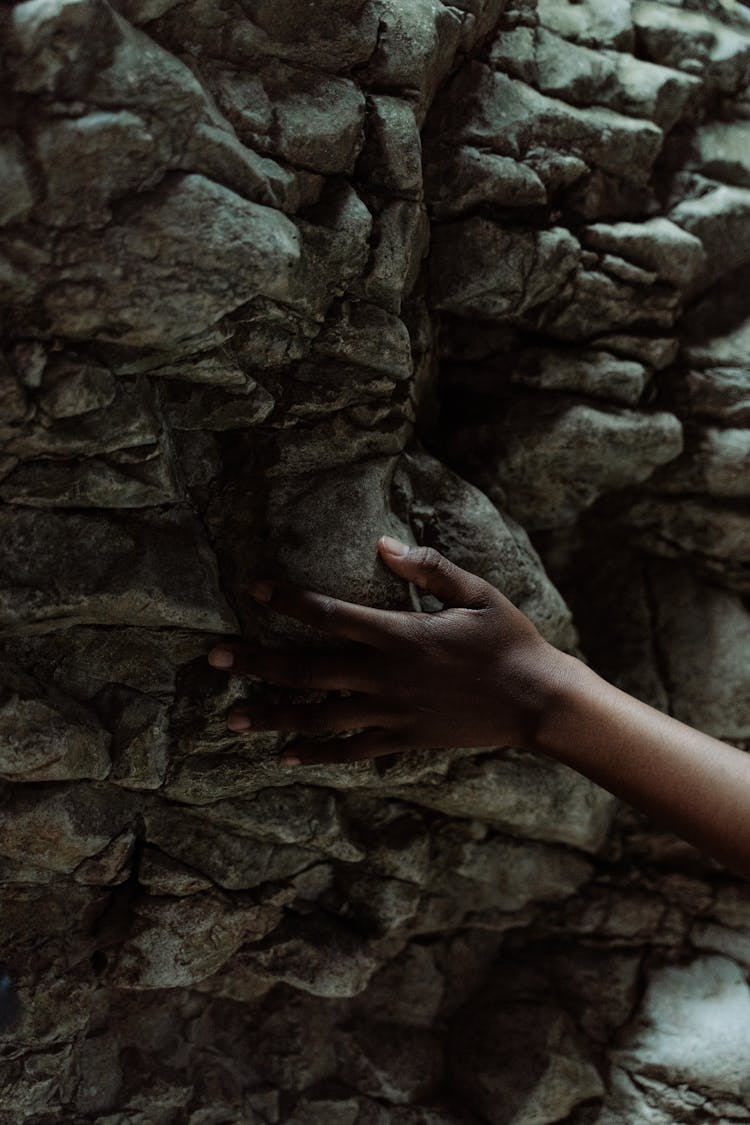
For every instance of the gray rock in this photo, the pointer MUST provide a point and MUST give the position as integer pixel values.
(395, 1064)
(45, 736)
(58, 827)
(160, 572)
(715, 463)
(710, 998)
(516, 794)
(511, 453)
(584, 76)
(657, 244)
(482, 269)
(511, 119)
(695, 42)
(714, 534)
(244, 250)
(460, 177)
(719, 220)
(719, 150)
(313, 121)
(391, 157)
(591, 23)
(520, 1064)
(17, 196)
(415, 49)
(703, 635)
(175, 942)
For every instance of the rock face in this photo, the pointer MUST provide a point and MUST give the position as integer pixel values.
(276, 277)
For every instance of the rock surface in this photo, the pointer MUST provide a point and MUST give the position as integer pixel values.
(280, 276)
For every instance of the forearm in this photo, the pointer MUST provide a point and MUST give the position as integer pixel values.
(687, 781)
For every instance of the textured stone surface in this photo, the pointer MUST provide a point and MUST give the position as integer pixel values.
(275, 279)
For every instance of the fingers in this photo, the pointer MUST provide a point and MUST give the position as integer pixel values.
(369, 744)
(305, 670)
(339, 619)
(313, 718)
(431, 571)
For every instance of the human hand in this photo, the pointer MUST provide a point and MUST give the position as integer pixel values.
(476, 673)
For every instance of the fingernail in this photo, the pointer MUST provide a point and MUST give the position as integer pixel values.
(238, 722)
(394, 546)
(290, 760)
(261, 591)
(221, 658)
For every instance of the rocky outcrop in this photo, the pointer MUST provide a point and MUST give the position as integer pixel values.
(275, 281)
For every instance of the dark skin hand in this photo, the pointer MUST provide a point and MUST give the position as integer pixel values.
(478, 673)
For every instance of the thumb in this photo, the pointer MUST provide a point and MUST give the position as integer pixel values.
(431, 571)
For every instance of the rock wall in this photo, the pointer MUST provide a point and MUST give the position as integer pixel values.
(277, 278)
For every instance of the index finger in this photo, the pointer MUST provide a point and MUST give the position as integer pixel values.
(376, 627)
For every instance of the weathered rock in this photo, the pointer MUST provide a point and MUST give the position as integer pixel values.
(704, 652)
(499, 274)
(520, 1064)
(595, 451)
(45, 736)
(657, 244)
(710, 998)
(517, 794)
(161, 572)
(275, 281)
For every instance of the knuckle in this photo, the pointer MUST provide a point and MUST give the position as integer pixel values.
(328, 608)
(429, 559)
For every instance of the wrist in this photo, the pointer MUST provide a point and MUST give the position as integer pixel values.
(567, 683)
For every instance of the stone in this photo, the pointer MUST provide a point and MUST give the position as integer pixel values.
(400, 240)
(590, 372)
(720, 395)
(80, 819)
(511, 119)
(656, 352)
(518, 873)
(368, 336)
(709, 686)
(230, 861)
(501, 274)
(415, 48)
(718, 150)
(160, 571)
(520, 795)
(395, 1064)
(593, 23)
(407, 990)
(715, 463)
(657, 244)
(718, 220)
(17, 196)
(316, 121)
(520, 1064)
(596, 302)
(714, 534)
(694, 41)
(81, 191)
(91, 421)
(584, 76)
(709, 996)
(179, 941)
(45, 736)
(391, 157)
(288, 814)
(315, 955)
(131, 270)
(460, 177)
(511, 453)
